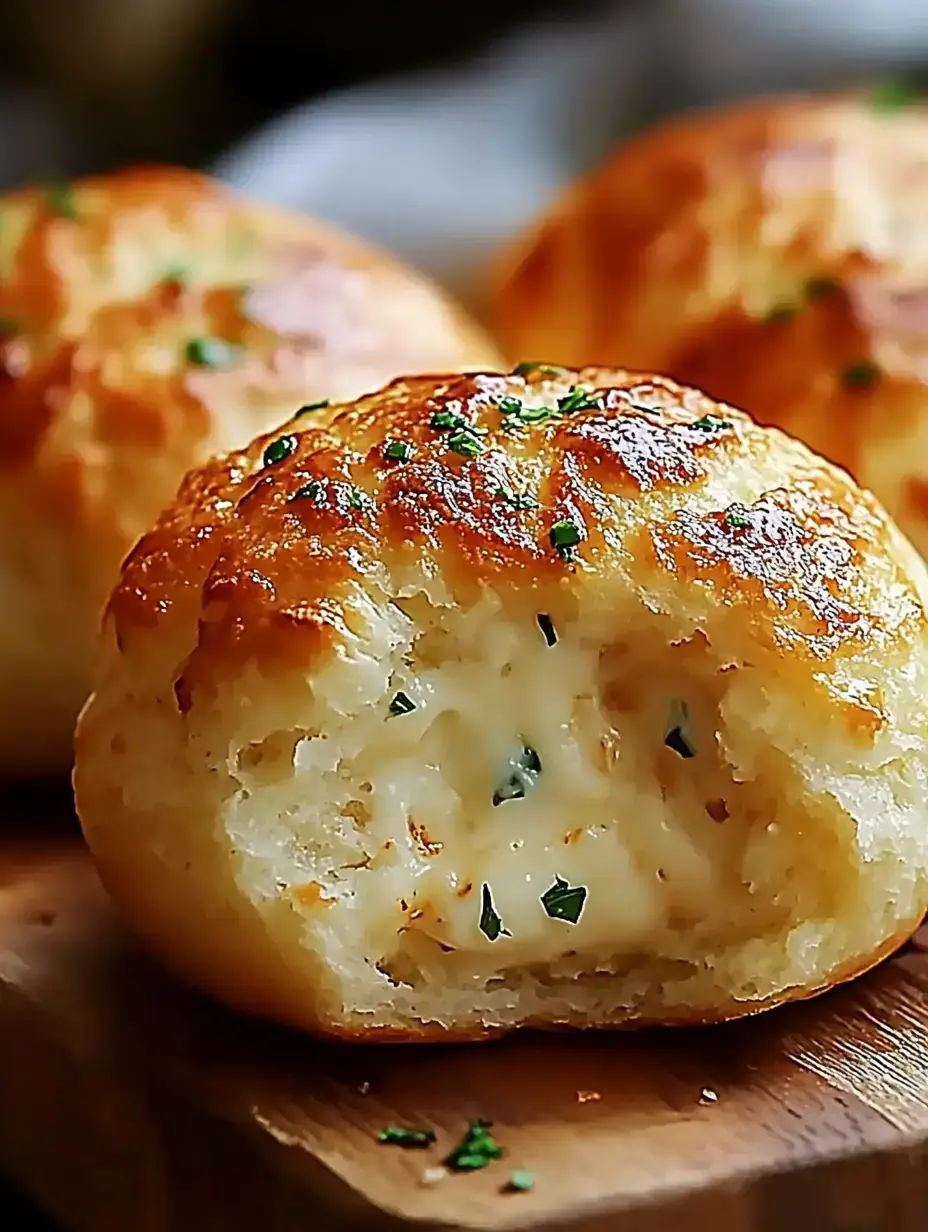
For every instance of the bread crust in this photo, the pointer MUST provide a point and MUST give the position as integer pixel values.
(730, 1012)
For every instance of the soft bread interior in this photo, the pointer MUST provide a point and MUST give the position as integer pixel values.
(729, 841)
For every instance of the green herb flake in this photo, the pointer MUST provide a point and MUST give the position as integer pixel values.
(527, 368)
(735, 518)
(445, 421)
(211, 352)
(521, 1181)
(536, 414)
(309, 491)
(564, 536)
(525, 768)
(490, 923)
(861, 374)
(676, 741)
(398, 451)
(511, 406)
(8, 327)
(710, 423)
(401, 704)
(515, 499)
(892, 94)
(820, 288)
(61, 201)
(176, 275)
(563, 901)
(476, 1149)
(579, 399)
(779, 314)
(282, 448)
(357, 497)
(409, 1139)
(465, 443)
(678, 727)
(546, 626)
(309, 407)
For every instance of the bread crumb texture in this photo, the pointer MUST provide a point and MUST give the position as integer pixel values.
(599, 705)
(149, 319)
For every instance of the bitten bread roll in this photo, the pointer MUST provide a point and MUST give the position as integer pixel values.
(574, 699)
(775, 255)
(148, 320)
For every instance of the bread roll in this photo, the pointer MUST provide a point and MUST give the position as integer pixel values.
(147, 320)
(775, 255)
(574, 699)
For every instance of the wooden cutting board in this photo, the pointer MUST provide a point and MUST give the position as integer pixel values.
(130, 1105)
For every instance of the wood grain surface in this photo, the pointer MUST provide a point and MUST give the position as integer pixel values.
(127, 1103)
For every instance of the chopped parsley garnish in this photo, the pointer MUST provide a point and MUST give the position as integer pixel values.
(564, 536)
(546, 626)
(893, 93)
(710, 423)
(401, 704)
(677, 737)
(676, 741)
(211, 352)
(511, 410)
(399, 1135)
(282, 448)
(476, 1149)
(516, 499)
(579, 399)
(861, 374)
(464, 442)
(820, 288)
(357, 497)
(521, 1181)
(309, 491)
(515, 413)
(527, 368)
(737, 519)
(444, 421)
(563, 901)
(510, 405)
(814, 289)
(525, 768)
(60, 200)
(398, 451)
(535, 414)
(779, 314)
(490, 924)
(309, 407)
(177, 274)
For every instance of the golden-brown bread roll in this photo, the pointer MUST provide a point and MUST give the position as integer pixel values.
(774, 254)
(581, 700)
(150, 319)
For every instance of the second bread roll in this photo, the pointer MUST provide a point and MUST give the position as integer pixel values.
(147, 320)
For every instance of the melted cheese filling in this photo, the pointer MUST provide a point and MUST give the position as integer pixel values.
(388, 840)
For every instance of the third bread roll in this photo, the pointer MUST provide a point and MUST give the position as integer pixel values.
(774, 254)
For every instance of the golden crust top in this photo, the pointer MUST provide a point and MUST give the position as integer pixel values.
(774, 254)
(538, 485)
(151, 309)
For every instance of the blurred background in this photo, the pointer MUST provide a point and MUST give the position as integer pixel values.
(437, 130)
